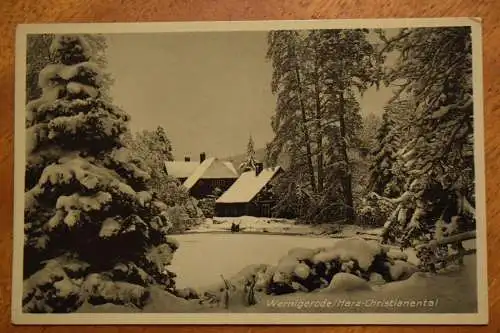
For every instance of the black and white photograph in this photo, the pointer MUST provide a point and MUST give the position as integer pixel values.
(279, 172)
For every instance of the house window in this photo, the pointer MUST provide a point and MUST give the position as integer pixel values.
(220, 183)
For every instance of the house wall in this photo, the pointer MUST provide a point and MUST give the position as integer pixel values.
(231, 209)
(257, 209)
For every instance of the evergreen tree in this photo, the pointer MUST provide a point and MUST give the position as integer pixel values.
(250, 161)
(348, 62)
(369, 132)
(438, 74)
(39, 56)
(434, 75)
(154, 148)
(387, 173)
(317, 119)
(290, 121)
(93, 232)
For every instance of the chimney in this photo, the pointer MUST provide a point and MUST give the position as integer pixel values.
(187, 159)
(202, 157)
(258, 168)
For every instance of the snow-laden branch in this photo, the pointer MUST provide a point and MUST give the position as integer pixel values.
(449, 240)
(443, 111)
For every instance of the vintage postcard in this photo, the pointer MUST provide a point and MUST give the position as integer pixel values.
(279, 172)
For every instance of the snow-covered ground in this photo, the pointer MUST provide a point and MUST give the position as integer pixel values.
(202, 258)
(250, 224)
(451, 292)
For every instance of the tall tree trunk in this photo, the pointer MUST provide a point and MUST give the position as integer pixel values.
(347, 178)
(319, 130)
(304, 125)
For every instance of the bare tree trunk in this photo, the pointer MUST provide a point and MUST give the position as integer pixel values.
(304, 125)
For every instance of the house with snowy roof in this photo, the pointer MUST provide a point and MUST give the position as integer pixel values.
(251, 194)
(203, 177)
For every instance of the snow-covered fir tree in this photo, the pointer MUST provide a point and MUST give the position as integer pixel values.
(434, 150)
(154, 148)
(317, 118)
(250, 162)
(387, 175)
(93, 231)
(39, 56)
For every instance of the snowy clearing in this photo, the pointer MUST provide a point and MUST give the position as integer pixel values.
(453, 291)
(202, 258)
(250, 224)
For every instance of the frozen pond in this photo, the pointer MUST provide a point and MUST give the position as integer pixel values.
(202, 258)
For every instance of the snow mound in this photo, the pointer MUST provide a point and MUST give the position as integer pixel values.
(301, 254)
(302, 271)
(357, 249)
(401, 270)
(186, 293)
(263, 278)
(161, 301)
(346, 282)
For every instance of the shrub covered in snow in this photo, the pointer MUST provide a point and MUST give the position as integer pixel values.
(348, 265)
(373, 212)
(180, 219)
(93, 230)
(207, 206)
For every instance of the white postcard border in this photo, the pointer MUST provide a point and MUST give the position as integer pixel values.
(18, 317)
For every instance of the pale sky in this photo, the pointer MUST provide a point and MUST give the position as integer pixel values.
(209, 91)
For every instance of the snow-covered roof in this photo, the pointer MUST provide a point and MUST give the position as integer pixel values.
(231, 167)
(211, 168)
(181, 169)
(247, 186)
